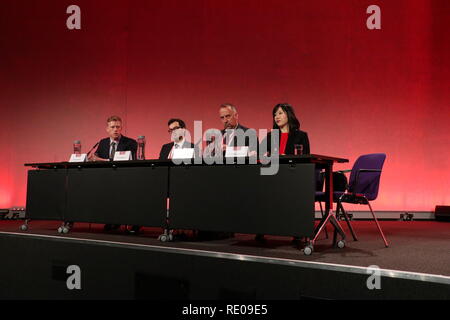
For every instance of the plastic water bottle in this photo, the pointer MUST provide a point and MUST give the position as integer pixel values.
(141, 148)
(77, 147)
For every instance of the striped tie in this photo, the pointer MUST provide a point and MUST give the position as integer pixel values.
(113, 151)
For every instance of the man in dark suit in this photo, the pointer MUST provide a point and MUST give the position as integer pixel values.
(115, 142)
(230, 120)
(108, 147)
(177, 130)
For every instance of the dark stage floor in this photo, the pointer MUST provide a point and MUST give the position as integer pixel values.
(417, 246)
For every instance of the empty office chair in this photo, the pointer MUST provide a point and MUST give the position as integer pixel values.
(363, 187)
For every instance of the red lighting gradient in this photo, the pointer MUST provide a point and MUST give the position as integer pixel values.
(356, 91)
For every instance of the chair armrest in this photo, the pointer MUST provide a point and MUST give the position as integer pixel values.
(343, 171)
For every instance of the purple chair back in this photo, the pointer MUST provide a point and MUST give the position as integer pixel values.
(366, 182)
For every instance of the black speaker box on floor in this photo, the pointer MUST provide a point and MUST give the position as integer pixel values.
(442, 213)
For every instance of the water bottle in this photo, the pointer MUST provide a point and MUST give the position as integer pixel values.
(77, 147)
(141, 148)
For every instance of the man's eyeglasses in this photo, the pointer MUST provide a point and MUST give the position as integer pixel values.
(173, 129)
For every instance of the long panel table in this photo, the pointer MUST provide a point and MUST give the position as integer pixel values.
(219, 197)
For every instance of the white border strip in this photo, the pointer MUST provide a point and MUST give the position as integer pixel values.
(415, 276)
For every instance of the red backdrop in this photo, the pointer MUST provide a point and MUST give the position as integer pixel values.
(355, 90)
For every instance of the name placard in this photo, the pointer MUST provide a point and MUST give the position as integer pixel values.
(184, 153)
(80, 157)
(236, 152)
(122, 156)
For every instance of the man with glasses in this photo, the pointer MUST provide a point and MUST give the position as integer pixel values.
(177, 131)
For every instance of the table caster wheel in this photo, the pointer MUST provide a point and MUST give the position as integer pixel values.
(163, 238)
(308, 250)
(341, 244)
(24, 227)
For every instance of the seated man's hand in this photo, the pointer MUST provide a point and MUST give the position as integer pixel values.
(94, 157)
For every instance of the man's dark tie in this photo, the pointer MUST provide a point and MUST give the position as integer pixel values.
(226, 137)
(113, 151)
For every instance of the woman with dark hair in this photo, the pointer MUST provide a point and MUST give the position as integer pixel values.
(291, 136)
(284, 119)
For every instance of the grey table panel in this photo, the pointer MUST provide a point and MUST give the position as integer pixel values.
(124, 195)
(238, 199)
(46, 194)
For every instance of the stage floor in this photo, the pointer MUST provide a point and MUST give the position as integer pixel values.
(415, 246)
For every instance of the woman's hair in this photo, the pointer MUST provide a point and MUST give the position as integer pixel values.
(293, 122)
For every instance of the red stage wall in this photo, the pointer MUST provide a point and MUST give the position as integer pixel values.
(355, 90)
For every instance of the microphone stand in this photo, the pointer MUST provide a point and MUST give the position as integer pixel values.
(87, 156)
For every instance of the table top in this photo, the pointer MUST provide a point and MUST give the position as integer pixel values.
(310, 158)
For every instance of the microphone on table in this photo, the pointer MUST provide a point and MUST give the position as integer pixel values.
(87, 156)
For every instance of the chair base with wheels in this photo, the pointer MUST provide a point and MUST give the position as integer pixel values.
(359, 199)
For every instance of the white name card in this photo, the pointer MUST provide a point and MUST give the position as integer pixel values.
(183, 153)
(122, 156)
(81, 157)
(236, 152)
